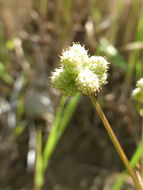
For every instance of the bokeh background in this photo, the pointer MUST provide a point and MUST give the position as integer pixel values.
(32, 36)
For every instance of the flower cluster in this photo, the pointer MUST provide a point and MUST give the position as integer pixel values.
(79, 72)
(138, 92)
(137, 95)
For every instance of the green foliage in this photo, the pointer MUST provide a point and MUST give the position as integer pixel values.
(135, 58)
(39, 178)
(19, 128)
(5, 75)
(10, 44)
(44, 7)
(62, 118)
(106, 48)
(96, 14)
(56, 23)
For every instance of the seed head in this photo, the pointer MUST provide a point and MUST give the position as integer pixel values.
(79, 72)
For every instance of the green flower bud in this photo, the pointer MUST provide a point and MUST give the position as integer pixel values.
(64, 81)
(79, 72)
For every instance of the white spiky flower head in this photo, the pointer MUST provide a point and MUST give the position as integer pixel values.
(74, 57)
(79, 72)
(87, 81)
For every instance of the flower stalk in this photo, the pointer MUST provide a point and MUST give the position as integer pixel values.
(81, 73)
(142, 153)
(115, 141)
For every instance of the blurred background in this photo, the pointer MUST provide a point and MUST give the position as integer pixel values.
(32, 36)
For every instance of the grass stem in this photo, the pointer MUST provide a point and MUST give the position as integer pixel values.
(134, 160)
(142, 153)
(115, 141)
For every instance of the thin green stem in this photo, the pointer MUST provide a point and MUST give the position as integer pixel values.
(142, 153)
(51, 141)
(115, 141)
(38, 178)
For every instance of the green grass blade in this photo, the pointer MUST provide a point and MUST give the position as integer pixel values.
(59, 127)
(135, 58)
(5, 75)
(50, 143)
(43, 8)
(38, 178)
(139, 36)
(67, 114)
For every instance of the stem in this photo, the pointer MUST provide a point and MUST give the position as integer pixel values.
(142, 153)
(38, 178)
(115, 141)
(134, 160)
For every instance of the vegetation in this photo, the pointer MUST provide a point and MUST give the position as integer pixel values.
(45, 143)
